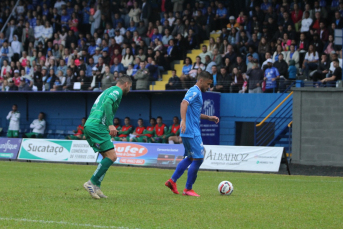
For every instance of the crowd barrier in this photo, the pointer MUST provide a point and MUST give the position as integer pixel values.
(216, 157)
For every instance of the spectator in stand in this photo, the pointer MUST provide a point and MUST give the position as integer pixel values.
(240, 65)
(293, 55)
(336, 75)
(95, 19)
(254, 76)
(237, 80)
(322, 70)
(297, 16)
(338, 20)
(5, 69)
(107, 79)
(174, 82)
(38, 126)
(271, 75)
(282, 68)
(6, 53)
(217, 58)
(311, 61)
(142, 77)
(14, 118)
(306, 23)
(277, 53)
(209, 63)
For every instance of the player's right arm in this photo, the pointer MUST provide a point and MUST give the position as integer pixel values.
(9, 115)
(183, 111)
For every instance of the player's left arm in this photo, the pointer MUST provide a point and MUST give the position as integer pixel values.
(210, 118)
(109, 116)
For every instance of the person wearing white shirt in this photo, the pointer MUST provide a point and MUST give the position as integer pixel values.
(96, 20)
(306, 23)
(118, 37)
(47, 31)
(14, 117)
(311, 61)
(38, 32)
(58, 5)
(16, 47)
(38, 126)
(334, 56)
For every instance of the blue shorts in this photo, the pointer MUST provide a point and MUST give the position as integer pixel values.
(194, 147)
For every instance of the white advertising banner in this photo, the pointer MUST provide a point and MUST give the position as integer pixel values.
(242, 158)
(56, 150)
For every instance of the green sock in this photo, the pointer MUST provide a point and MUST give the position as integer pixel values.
(99, 173)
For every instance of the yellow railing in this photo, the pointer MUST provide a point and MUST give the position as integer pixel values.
(289, 124)
(274, 110)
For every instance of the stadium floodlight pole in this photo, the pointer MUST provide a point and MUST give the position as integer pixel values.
(14, 8)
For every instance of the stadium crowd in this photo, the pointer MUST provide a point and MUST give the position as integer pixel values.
(260, 46)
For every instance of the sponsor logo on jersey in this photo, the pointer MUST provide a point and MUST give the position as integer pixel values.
(209, 107)
(192, 97)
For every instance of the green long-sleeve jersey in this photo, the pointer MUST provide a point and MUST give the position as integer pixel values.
(105, 107)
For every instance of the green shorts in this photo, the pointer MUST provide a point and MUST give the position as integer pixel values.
(33, 135)
(98, 138)
(13, 133)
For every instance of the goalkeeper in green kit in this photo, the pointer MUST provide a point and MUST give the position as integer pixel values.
(98, 131)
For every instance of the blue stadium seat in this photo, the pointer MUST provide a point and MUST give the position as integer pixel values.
(60, 134)
(50, 134)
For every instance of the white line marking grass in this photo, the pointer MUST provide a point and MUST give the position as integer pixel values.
(59, 222)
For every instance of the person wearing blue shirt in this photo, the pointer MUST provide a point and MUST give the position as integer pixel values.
(89, 67)
(191, 107)
(265, 5)
(116, 20)
(91, 48)
(221, 16)
(185, 77)
(65, 19)
(132, 27)
(117, 67)
(156, 35)
(271, 75)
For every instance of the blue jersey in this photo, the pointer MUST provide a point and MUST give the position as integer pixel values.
(194, 98)
(270, 74)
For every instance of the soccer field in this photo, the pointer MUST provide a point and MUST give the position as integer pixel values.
(46, 195)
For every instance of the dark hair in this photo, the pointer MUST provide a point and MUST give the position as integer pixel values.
(84, 118)
(124, 79)
(42, 114)
(128, 118)
(140, 119)
(159, 117)
(176, 117)
(205, 75)
(190, 60)
(336, 60)
(173, 70)
(152, 119)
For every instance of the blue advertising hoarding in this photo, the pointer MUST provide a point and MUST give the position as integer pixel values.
(147, 154)
(9, 148)
(211, 107)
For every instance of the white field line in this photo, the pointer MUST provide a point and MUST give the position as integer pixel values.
(59, 222)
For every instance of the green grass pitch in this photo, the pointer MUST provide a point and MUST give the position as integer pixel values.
(46, 195)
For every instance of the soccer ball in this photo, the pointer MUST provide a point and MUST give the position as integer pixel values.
(225, 188)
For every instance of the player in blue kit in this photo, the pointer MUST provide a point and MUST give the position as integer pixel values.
(191, 107)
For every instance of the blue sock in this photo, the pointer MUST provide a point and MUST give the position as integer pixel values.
(192, 173)
(180, 169)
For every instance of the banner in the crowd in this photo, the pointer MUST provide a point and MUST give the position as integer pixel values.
(243, 158)
(148, 154)
(56, 150)
(9, 148)
(211, 107)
